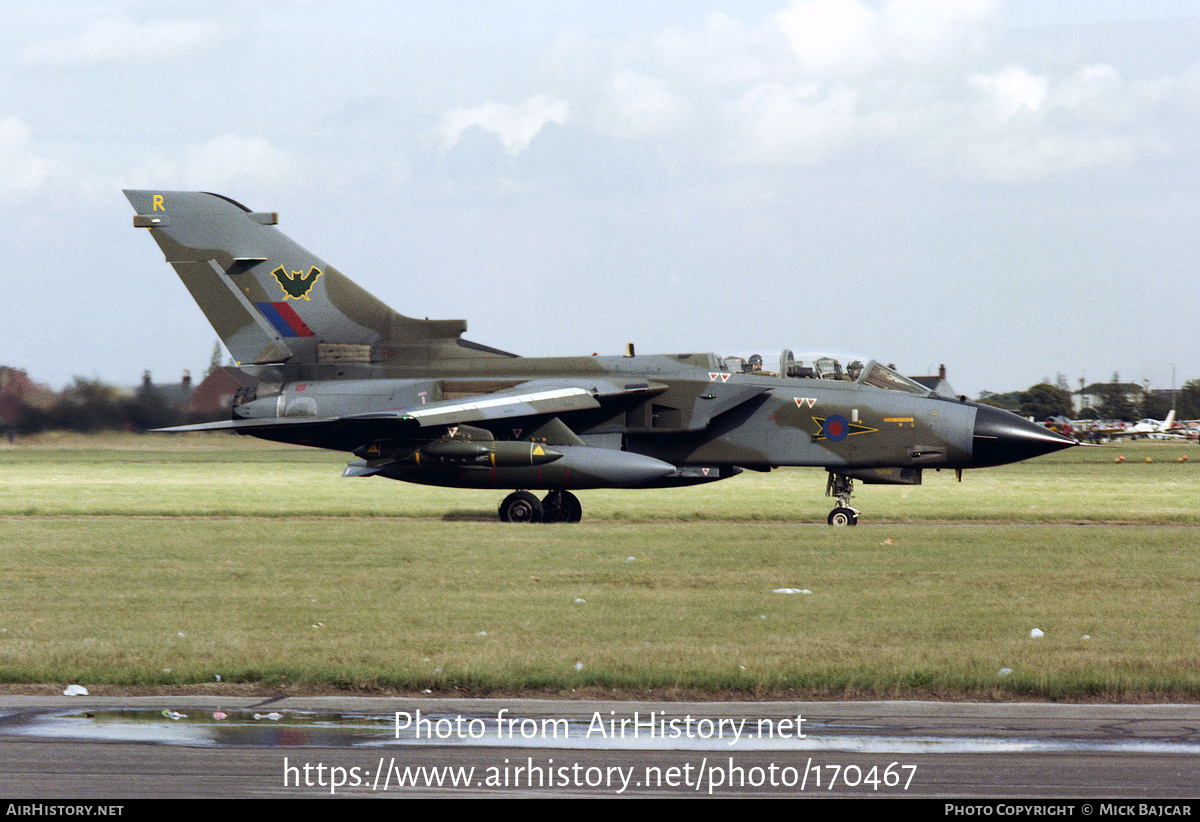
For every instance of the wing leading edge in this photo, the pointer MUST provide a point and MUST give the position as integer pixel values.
(525, 400)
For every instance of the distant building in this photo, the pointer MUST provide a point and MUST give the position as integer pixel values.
(938, 383)
(1166, 395)
(174, 395)
(212, 399)
(18, 392)
(1092, 396)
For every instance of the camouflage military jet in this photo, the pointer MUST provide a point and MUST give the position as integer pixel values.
(325, 364)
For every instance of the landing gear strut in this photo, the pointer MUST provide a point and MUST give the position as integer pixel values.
(557, 506)
(841, 486)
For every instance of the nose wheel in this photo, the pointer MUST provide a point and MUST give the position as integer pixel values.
(843, 516)
(841, 486)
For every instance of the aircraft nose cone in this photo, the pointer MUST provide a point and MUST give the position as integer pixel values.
(1002, 437)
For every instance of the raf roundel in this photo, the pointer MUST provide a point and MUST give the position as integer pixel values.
(835, 428)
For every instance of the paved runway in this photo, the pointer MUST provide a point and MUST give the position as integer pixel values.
(302, 747)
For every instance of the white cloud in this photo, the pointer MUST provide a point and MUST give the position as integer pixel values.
(21, 171)
(842, 37)
(1012, 91)
(1027, 155)
(637, 105)
(1032, 127)
(228, 159)
(1035, 126)
(722, 54)
(515, 126)
(121, 40)
(924, 30)
(816, 81)
(1089, 84)
(831, 35)
(923, 82)
(793, 125)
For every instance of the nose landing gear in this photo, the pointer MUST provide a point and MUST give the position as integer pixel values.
(841, 486)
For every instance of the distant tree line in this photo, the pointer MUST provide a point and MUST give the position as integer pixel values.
(89, 406)
(1116, 402)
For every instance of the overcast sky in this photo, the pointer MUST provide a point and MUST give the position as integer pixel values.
(1009, 188)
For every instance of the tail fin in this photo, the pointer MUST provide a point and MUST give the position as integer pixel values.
(272, 301)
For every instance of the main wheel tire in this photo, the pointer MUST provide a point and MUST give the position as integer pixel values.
(572, 507)
(843, 516)
(561, 506)
(521, 506)
(552, 508)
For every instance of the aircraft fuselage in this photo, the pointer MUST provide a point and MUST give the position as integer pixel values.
(327, 364)
(689, 412)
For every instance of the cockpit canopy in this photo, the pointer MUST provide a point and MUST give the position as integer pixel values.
(840, 367)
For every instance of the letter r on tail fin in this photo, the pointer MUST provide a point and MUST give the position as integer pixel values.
(272, 301)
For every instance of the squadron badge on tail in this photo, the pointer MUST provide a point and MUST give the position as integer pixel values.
(296, 285)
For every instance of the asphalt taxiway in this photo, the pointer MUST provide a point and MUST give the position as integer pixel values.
(306, 747)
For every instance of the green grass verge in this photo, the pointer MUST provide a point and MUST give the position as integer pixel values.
(225, 475)
(168, 562)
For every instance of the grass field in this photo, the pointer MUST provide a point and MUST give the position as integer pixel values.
(140, 561)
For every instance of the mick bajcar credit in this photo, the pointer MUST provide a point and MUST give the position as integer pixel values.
(699, 772)
(1066, 809)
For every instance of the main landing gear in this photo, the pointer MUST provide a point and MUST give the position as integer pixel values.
(841, 486)
(556, 506)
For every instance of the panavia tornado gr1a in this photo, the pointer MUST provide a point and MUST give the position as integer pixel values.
(325, 364)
